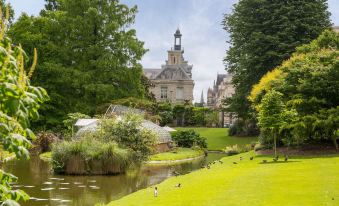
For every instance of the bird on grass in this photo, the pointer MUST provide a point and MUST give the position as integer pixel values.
(286, 158)
(221, 162)
(251, 158)
(264, 161)
(178, 185)
(235, 163)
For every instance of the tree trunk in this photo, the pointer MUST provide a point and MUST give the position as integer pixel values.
(335, 143)
(275, 144)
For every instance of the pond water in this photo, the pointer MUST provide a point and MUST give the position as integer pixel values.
(45, 188)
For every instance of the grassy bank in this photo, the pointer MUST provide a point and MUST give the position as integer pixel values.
(300, 181)
(218, 138)
(179, 154)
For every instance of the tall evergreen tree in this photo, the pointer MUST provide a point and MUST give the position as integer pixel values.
(263, 33)
(88, 54)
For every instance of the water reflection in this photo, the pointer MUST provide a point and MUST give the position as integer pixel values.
(46, 188)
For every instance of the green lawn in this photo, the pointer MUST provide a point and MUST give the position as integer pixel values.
(302, 181)
(181, 153)
(218, 139)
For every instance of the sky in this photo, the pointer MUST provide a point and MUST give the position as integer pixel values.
(204, 40)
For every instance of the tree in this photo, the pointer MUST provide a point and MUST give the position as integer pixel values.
(89, 55)
(19, 102)
(271, 114)
(309, 84)
(264, 33)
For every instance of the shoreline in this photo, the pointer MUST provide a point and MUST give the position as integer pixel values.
(174, 161)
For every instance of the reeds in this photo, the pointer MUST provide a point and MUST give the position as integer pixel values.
(90, 156)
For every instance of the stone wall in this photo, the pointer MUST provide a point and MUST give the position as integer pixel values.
(172, 86)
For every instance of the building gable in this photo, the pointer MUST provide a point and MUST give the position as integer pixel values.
(173, 73)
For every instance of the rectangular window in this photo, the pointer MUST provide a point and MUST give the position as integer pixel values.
(163, 93)
(180, 93)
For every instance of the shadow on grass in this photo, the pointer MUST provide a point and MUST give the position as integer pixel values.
(279, 162)
(317, 156)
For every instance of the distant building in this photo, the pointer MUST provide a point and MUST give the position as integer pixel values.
(173, 82)
(222, 89)
(202, 99)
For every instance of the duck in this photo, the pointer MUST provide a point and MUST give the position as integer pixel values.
(286, 158)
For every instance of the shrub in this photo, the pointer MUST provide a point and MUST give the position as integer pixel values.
(90, 156)
(44, 141)
(244, 128)
(166, 117)
(260, 146)
(189, 138)
(72, 118)
(128, 133)
(232, 150)
(117, 144)
(246, 148)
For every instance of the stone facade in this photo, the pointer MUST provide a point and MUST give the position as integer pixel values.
(173, 82)
(222, 88)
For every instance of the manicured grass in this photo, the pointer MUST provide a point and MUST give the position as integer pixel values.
(311, 181)
(47, 156)
(178, 154)
(218, 139)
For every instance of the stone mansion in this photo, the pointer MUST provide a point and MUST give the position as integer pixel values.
(173, 82)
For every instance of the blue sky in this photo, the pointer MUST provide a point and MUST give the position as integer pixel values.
(203, 38)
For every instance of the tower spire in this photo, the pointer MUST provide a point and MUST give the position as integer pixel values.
(177, 40)
(202, 101)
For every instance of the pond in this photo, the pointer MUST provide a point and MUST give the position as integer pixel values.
(45, 188)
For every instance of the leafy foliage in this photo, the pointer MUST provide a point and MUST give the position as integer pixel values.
(264, 33)
(119, 142)
(89, 55)
(127, 131)
(189, 138)
(19, 102)
(272, 114)
(44, 141)
(86, 151)
(72, 118)
(309, 84)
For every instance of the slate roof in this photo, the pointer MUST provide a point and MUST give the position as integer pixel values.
(151, 73)
(163, 135)
(170, 72)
